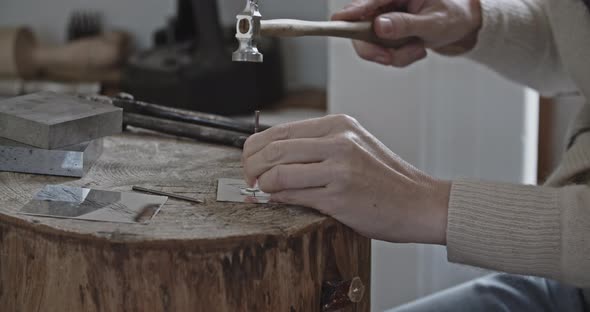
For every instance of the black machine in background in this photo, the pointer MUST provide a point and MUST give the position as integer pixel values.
(191, 66)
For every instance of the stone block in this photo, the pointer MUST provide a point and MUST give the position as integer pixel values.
(72, 161)
(49, 120)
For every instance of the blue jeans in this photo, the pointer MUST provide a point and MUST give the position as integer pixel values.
(502, 292)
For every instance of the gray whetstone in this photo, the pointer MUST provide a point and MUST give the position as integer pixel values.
(72, 161)
(49, 120)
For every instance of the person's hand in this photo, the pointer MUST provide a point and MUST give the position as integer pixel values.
(447, 26)
(334, 165)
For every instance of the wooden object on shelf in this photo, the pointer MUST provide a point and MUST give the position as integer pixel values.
(191, 257)
(96, 58)
(16, 53)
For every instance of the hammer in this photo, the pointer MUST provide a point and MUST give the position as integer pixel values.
(250, 27)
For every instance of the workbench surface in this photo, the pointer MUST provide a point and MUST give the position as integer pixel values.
(164, 163)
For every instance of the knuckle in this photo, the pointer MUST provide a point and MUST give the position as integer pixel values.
(364, 9)
(282, 132)
(343, 175)
(279, 178)
(272, 152)
(341, 185)
(339, 142)
(345, 143)
(346, 120)
(275, 180)
(351, 121)
(401, 24)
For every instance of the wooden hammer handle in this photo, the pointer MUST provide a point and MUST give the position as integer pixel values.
(351, 30)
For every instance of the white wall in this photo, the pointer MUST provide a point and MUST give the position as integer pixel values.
(305, 58)
(449, 117)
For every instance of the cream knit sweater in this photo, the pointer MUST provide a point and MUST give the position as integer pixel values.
(532, 230)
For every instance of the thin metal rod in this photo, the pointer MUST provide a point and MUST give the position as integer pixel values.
(256, 121)
(186, 130)
(181, 197)
(176, 114)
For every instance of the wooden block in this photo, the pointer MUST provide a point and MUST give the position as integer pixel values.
(50, 120)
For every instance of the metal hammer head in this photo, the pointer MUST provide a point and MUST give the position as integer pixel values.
(247, 32)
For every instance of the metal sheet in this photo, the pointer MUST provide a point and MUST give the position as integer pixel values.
(60, 201)
(72, 161)
(237, 191)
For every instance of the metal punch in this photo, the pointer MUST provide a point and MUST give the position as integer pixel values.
(253, 191)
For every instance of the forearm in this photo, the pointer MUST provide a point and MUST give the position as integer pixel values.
(516, 41)
(528, 230)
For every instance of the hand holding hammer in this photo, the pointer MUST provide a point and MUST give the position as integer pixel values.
(250, 26)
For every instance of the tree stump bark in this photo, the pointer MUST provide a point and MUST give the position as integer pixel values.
(191, 257)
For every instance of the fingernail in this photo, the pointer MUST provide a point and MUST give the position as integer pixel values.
(385, 25)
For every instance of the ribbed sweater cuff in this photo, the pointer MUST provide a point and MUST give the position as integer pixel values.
(504, 227)
(507, 38)
(489, 38)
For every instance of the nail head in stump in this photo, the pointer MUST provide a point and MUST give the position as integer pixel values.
(50, 120)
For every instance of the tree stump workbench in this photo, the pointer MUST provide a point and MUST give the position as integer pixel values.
(190, 257)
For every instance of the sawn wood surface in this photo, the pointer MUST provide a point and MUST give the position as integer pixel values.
(191, 257)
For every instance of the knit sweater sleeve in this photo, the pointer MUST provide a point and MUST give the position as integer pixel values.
(530, 230)
(516, 41)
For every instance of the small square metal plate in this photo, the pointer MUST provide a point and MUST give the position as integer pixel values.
(60, 201)
(237, 191)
